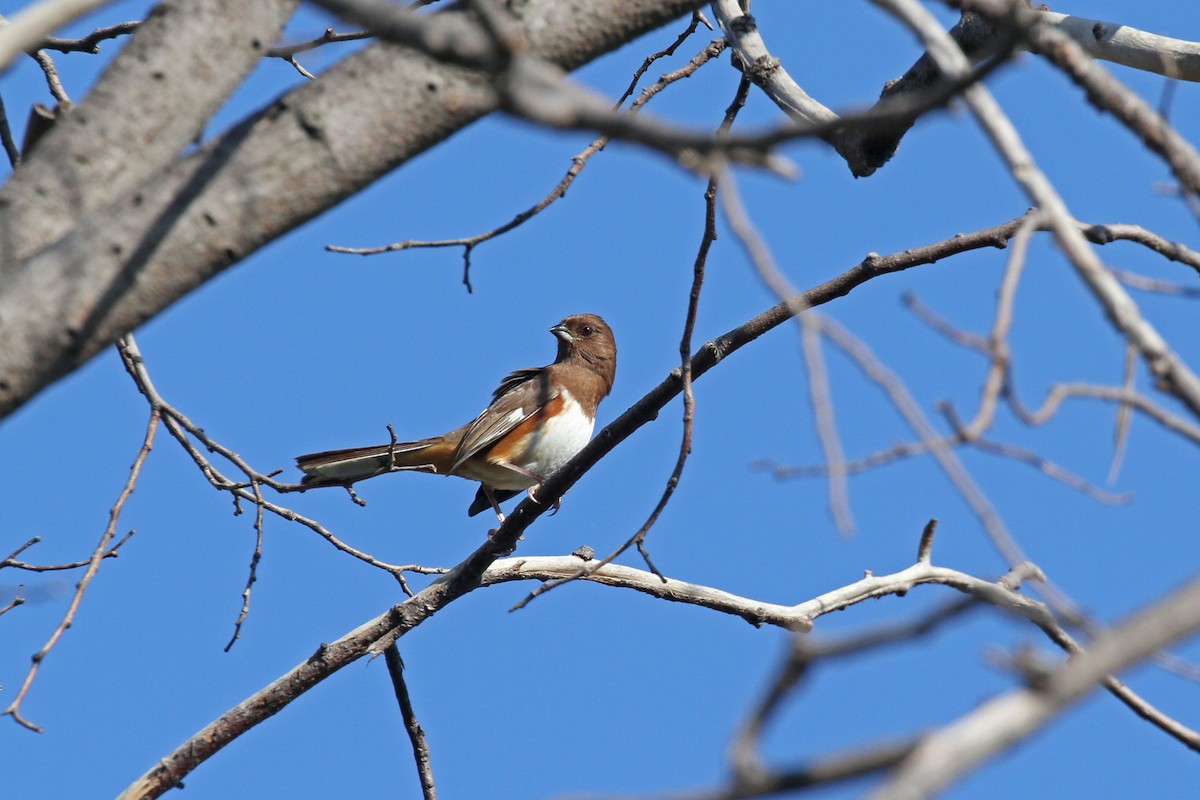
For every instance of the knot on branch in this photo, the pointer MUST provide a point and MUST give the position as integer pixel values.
(762, 68)
(743, 24)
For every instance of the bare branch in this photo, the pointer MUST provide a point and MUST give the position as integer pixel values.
(53, 82)
(289, 51)
(469, 243)
(949, 753)
(12, 561)
(825, 771)
(867, 146)
(181, 428)
(18, 599)
(1103, 89)
(25, 30)
(6, 138)
(377, 635)
(750, 772)
(699, 266)
(214, 207)
(93, 566)
(254, 559)
(1123, 313)
(91, 42)
(1128, 46)
(416, 735)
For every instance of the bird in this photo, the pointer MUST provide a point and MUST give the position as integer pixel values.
(539, 418)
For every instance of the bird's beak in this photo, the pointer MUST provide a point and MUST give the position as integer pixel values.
(562, 333)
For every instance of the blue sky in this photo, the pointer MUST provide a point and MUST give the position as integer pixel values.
(591, 689)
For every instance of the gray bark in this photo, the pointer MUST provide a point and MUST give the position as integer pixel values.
(129, 253)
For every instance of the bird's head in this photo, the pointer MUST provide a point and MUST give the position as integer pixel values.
(586, 339)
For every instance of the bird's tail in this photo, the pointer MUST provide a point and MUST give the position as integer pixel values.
(344, 467)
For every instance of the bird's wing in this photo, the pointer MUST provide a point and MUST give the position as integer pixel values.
(520, 395)
(514, 379)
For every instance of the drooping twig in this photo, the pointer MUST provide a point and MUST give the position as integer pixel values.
(6, 138)
(707, 238)
(254, 559)
(810, 336)
(182, 429)
(93, 565)
(53, 81)
(416, 734)
(578, 161)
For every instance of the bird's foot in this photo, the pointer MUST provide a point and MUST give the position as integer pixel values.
(532, 490)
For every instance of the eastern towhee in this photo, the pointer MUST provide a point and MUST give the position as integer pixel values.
(538, 420)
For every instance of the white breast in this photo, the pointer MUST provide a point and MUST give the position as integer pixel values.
(561, 438)
(542, 453)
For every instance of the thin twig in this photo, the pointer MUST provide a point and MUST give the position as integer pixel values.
(1116, 394)
(1124, 414)
(52, 80)
(254, 559)
(288, 51)
(1145, 284)
(91, 42)
(416, 734)
(746, 763)
(13, 562)
(667, 52)
(578, 161)
(17, 600)
(6, 138)
(910, 449)
(707, 238)
(181, 428)
(93, 566)
(810, 335)
(998, 350)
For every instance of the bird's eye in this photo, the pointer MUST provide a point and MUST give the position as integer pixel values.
(588, 330)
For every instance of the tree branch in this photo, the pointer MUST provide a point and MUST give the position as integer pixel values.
(131, 256)
(949, 753)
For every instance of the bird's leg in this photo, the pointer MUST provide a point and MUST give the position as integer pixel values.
(521, 470)
(532, 490)
(487, 492)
